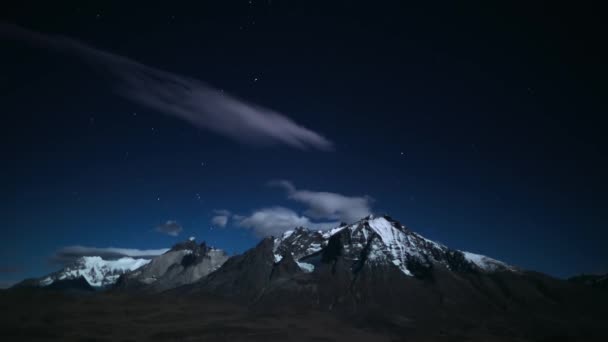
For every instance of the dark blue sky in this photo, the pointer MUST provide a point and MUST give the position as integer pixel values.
(476, 127)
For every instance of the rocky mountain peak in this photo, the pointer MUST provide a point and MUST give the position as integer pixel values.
(185, 263)
(186, 245)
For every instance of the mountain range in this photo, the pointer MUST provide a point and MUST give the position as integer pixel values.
(375, 273)
(377, 241)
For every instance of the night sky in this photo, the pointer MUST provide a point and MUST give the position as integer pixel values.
(478, 127)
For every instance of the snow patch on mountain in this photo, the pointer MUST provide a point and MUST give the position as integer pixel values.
(484, 262)
(390, 246)
(331, 232)
(306, 267)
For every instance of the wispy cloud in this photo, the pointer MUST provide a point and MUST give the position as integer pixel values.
(170, 228)
(276, 220)
(183, 97)
(328, 205)
(69, 254)
(221, 218)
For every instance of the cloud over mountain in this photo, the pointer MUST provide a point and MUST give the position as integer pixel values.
(69, 254)
(328, 205)
(276, 220)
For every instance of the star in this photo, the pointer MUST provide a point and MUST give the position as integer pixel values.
(202, 164)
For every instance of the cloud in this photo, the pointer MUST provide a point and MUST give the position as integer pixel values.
(221, 218)
(276, 220)
(170, 228)
(222, 212)
(69, 254)
(328, 205)
(183, 97)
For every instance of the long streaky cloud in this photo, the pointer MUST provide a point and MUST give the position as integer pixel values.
(183, 97)
(69, 254)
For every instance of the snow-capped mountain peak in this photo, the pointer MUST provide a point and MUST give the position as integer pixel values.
(381, 241)
(98, 272)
